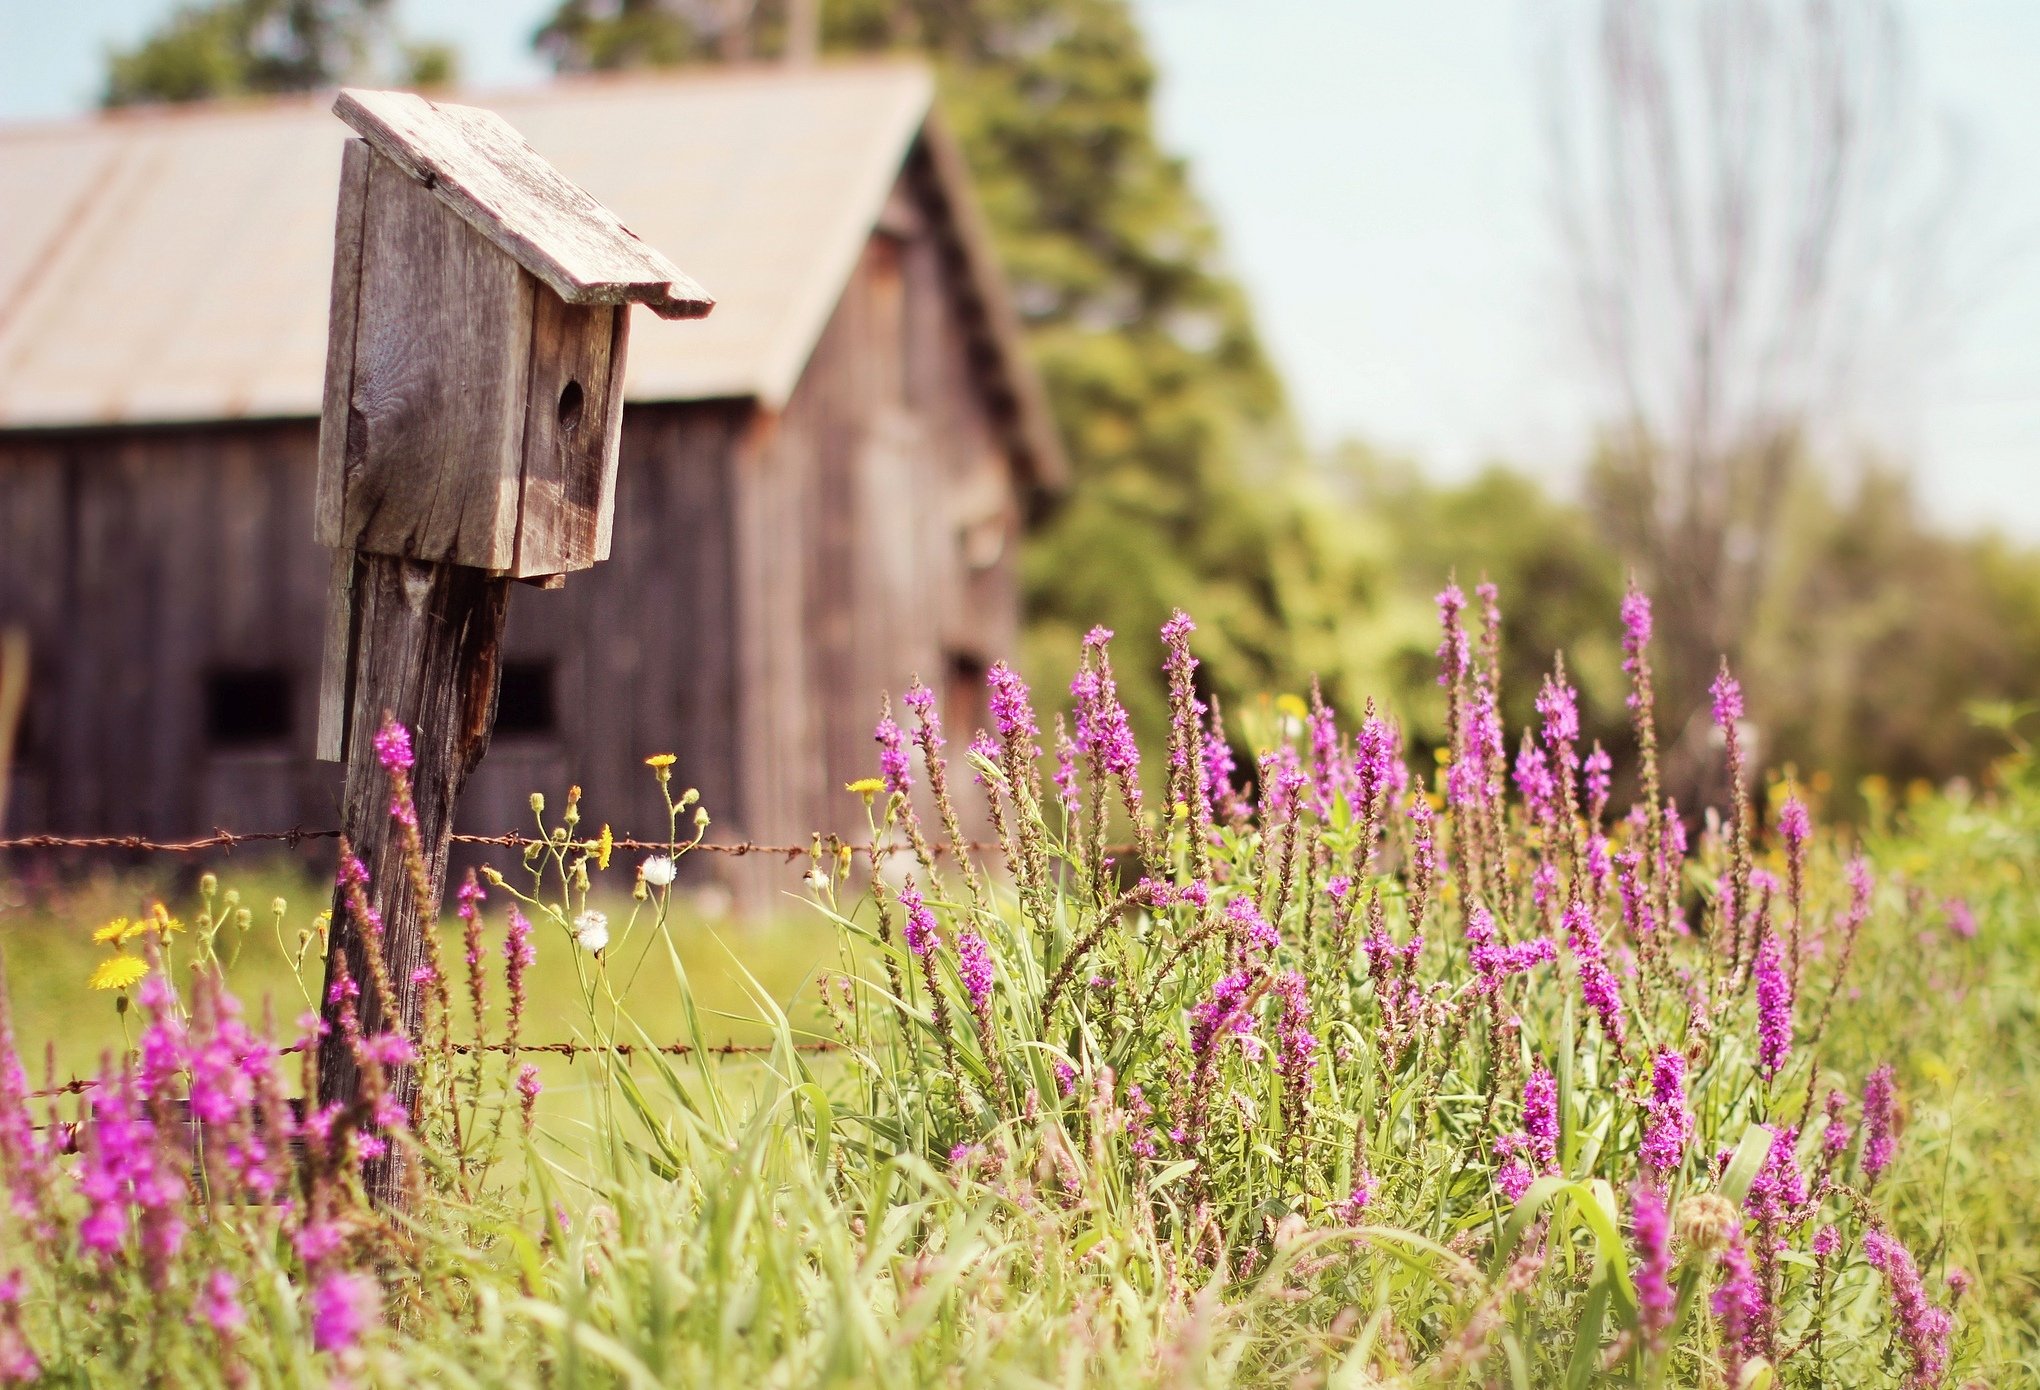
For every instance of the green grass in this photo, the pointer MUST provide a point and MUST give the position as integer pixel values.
(46, 938)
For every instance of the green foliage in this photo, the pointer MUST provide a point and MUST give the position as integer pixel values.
(243, 47)
(1188, 486)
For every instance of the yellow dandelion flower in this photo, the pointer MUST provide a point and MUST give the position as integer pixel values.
(122, 972)
(160, 920)
(605, 845)
(1293, 706)
(661, 760)
(866, 787)
(119, 929)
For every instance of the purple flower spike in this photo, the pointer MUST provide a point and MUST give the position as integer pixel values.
(1012, 709)
(894, 764)
(1670, 1127)
(1774, 1008)
(1728, 703)
(1922, 1327)
(1559, 703)
(974, 967)
(343, 1307)
(920, 932)
(1880, 1123)
(1651, 1226)
(392, 746)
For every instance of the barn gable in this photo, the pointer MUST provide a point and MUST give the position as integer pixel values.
(170, 266)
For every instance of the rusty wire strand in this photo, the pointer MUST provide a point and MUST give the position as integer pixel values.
(78, 1085)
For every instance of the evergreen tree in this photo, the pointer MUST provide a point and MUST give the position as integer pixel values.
(239, 47)
(1186, 464)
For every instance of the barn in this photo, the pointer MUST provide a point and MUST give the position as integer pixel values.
(821, 492)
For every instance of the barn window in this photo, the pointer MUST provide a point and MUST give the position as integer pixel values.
(526, 707)
(966, 705)
(247, 707)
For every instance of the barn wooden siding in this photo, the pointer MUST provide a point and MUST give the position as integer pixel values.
(771, 574)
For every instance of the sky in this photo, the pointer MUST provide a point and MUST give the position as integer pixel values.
(1377, 173)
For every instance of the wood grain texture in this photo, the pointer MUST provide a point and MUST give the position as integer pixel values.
(348, 223)
(569, 479)
(428, 651)
(436, 415)
(482, 168)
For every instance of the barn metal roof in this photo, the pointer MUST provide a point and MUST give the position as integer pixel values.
(172, 265)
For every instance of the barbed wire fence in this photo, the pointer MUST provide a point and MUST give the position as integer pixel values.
(297, 836)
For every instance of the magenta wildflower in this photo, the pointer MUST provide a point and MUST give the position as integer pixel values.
(1215, 776)
(1599, 769)
(1923, 1328)
(1454, 654)
(1559, 703)
(1492, 961)
(1794, 824)
(1779, 1189)
(392, 746)
(218, 1304)
(1826, 1241)
(1245, 921)
(1728, 702)
(1295, 1044)
(984, 748)
(1961, 921)
(1012, 710)
(1374, 758)
(1540, 1116)
(1532, 1151)
(1103, 732)
(1359, 1199)
(919, 930)
(19, 1364)
(974, 968)
(1065, 1077)
(1327, 772)
(1774, 1008)
(1598, 986)
(344, 1305)
(1670, 1126)
(1880, 1123)
(1467, 780)
(1738, 1304)
(1650, 1226)
(528, 1089)
(894, 763)
(1222, 1015)
(1534, 782)
(1636, 626)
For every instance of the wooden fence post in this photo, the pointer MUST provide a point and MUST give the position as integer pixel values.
(473, 406)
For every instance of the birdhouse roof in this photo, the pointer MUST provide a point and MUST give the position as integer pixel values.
(476, 164)
(173, 265)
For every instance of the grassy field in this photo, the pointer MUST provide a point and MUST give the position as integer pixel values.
(1944, 988)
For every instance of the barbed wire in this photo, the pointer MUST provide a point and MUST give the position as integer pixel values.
(230, 839)
(78, 1085)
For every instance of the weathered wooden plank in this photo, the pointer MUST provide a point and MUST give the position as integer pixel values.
(483, 169)
(435, 435)
(570, 417)
(428, 655)
(336, 660)
(348, 226)
(612, 440)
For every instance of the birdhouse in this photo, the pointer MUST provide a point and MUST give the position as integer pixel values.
(475, 358)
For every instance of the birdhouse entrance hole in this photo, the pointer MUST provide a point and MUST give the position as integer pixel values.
(571, 400)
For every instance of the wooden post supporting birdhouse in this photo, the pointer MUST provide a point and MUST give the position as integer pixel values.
(474, 398)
